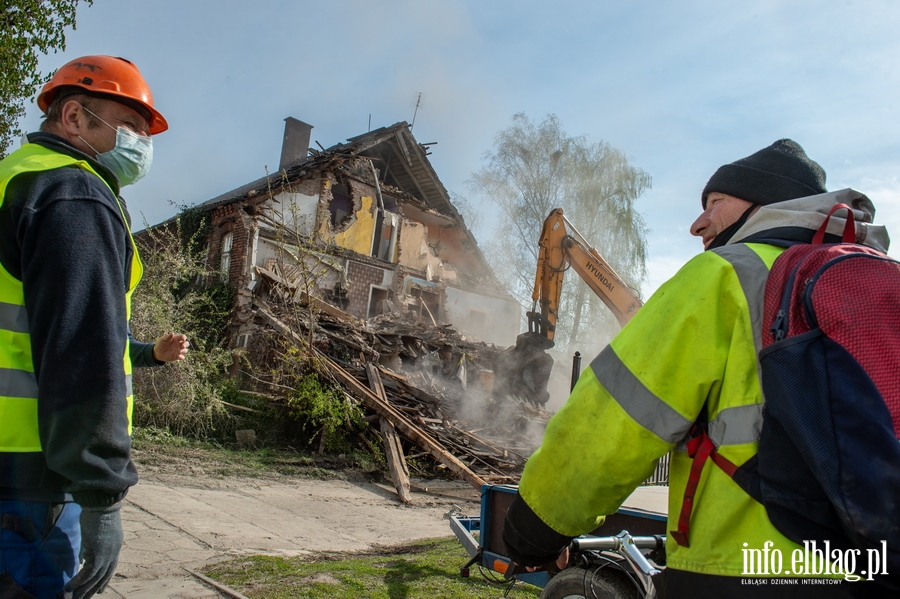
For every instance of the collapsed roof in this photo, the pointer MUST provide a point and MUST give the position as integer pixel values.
(404, 172)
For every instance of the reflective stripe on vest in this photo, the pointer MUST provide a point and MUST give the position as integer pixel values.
(735, 425)
(18, 386)
(640, 403)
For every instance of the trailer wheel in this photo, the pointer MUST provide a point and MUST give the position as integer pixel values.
(578, 583)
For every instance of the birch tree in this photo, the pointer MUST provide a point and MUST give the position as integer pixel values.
(536, 167)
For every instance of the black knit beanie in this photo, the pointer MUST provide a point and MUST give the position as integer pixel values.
(778, 173)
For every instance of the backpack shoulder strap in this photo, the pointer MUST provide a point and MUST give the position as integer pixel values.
(701, 448)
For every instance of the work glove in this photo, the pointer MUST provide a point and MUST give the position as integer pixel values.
(101, 541)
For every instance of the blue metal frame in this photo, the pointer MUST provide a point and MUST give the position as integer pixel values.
(627, 511)
(464, 527)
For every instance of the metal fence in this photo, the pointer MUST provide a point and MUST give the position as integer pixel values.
(660, 476)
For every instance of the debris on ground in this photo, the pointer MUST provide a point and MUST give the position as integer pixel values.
(423, 382)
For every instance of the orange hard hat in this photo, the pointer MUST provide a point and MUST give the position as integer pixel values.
(106, 75)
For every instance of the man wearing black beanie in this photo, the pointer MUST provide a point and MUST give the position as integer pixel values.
(689, 355)
(778, 173)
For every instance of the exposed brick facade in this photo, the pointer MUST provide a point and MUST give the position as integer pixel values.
(231, 219)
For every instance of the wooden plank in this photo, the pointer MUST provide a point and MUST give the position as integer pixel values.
(315, 302)
(412, 389)
(415, 181)
(374, 403)
(403, 149)
(499, 451)
(216, 585)
(327, 308)
(236, 407)
(393, 450)
(404, 425)
(271, 275)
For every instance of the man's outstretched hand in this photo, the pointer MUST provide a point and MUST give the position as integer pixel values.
(170, 347)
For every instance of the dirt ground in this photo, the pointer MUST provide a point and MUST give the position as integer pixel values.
(193, 507)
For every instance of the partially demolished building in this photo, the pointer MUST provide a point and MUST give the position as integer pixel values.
(368, 227)
(364, 234)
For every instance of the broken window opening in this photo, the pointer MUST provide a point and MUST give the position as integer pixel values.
(341, 205)
(225, 261)
(428, 306)
(384, 237)
(377, 298)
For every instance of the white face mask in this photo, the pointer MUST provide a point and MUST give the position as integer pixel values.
(131, 157)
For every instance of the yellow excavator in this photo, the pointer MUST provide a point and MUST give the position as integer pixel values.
(523, 370)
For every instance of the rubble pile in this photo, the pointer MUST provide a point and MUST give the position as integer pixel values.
(428, 383)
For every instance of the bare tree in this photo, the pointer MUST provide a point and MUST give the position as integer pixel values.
(536, 167)
(302, 261)
(184, 397)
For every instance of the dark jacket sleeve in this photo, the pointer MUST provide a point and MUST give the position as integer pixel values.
(74, 253)
(141, 353)
(529, 541)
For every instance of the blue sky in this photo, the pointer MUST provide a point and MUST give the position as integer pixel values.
(680, 87)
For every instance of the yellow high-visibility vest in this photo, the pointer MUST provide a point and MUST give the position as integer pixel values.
(18, 385)
(691, 349)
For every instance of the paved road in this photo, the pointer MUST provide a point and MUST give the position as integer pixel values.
(178, 522)
(174, 522)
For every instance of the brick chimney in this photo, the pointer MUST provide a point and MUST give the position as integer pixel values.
(295, 148)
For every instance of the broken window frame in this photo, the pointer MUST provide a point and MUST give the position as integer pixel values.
(227, 244)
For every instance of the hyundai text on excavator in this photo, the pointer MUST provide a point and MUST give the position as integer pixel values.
(524, 370)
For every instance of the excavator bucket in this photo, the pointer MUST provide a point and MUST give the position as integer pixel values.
(523, 370)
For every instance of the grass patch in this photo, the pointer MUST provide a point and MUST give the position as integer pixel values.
(426, 569)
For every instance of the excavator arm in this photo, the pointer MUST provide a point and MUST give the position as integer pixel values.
(524, 370)
(562, 246)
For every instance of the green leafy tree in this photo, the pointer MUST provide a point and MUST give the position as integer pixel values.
(537, 167)
(28, 27)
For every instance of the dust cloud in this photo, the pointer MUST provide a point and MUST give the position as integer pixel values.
(511, 421)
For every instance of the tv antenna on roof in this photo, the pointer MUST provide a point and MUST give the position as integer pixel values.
(418, 104)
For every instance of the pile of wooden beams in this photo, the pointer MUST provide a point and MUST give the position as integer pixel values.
(427, 387)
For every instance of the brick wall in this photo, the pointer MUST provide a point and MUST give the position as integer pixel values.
(231, 219)
(219, 226)
(362, 278)
(308, 187)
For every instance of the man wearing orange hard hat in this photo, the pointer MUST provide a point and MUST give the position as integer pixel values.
(68, 267)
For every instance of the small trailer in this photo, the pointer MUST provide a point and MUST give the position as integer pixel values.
(645, 528)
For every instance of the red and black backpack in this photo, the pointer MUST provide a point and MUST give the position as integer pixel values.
(828, 465)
